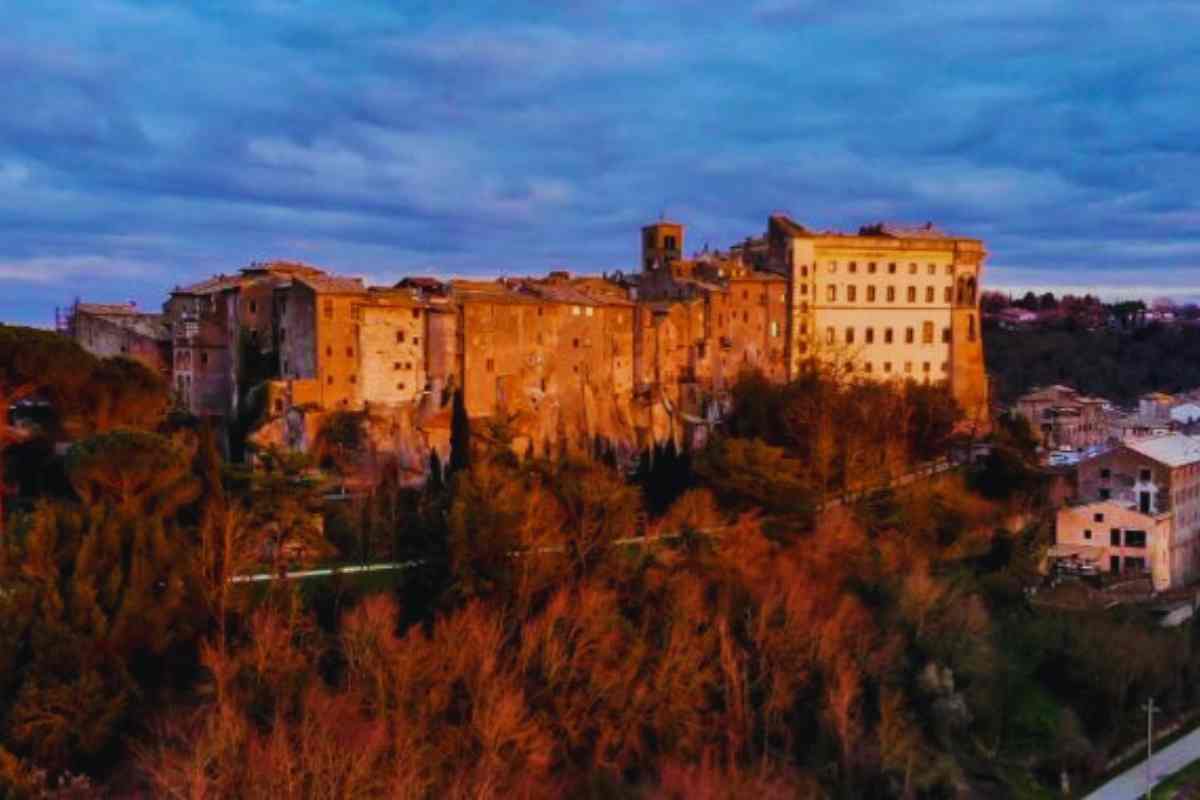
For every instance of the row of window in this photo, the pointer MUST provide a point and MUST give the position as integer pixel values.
(886, 367)
(1132, 538)
(355, 310)
(910, 335)
(831, 293)
(871, 268)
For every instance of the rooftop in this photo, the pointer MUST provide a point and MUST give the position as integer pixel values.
(332, 284)
(153, 326)
(1174, 450)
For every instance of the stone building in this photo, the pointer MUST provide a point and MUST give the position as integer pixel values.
(1138, 505)
(120, 329)
(887, 303)
(567, 360)
(213, 322)
(1062, 418)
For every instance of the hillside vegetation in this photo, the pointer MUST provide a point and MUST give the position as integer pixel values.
(765, 641)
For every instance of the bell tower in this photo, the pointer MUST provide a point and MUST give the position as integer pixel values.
(662, 243)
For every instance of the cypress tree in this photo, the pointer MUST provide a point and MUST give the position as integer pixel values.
(460, 435)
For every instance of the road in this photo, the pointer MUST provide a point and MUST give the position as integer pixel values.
(1131, 783)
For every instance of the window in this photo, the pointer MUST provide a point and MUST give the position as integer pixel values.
(925, 367)
(253, 307)
(851, 293)
(849, 335)
(912, 294)
(400, 386)
(928, 294)
(490, 364)
(932, 269)
(887, 366)
(867, 367)
(892, 268)
(887, 335)
(1098, 517)
(329, 351)
(203, 358)
(1135, 564)
(949, 298)
(832, 267)
(354, 379)
(1087, 533)
(804, 288)
(575, 343)
(1135, 538)
(774, 329)
(589, 311)
(576, 311)
(1105, 494)
(910, 335)
(829, 335)
(350, 352)
(1105, 474)
(395, 365)
(329, 379)
(1144, 475)
(946, 335)
(912, 269)
(926, 333)
(416, 313)
(908, 367)
(416, 340)
(871, 270)
(831, 293)
(869, 336)
(399, 337)
(870, 294)
(971, 328)
(853, 267)
(1114, 537)
(328, 306)
(891, 294)
(949, 269)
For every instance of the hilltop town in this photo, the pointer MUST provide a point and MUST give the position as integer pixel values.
(633, 358)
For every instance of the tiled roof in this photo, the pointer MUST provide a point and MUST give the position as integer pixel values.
(282, 268)
(332, 284)
(152, 326)
(897, 230)
(1174, 450)
(217, 283)
(106, 309)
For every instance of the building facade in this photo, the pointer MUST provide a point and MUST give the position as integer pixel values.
(120, 329)
(1155, 483)
(1062, 418)
(633, 359)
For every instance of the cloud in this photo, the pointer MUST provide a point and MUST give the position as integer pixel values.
(146, 145)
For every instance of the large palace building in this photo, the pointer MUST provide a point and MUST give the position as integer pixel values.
(631, 358)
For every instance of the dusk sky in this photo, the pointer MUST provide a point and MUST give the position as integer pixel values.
(143, 146)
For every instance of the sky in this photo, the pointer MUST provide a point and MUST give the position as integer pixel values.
(145, 145)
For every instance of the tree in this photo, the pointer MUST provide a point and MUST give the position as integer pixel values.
(103, 599)
(32, 363)
(460, 435)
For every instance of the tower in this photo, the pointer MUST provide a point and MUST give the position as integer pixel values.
(662, 243)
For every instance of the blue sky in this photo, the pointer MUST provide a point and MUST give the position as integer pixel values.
(144, 145)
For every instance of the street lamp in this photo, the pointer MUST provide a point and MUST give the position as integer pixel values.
(1150, 709)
